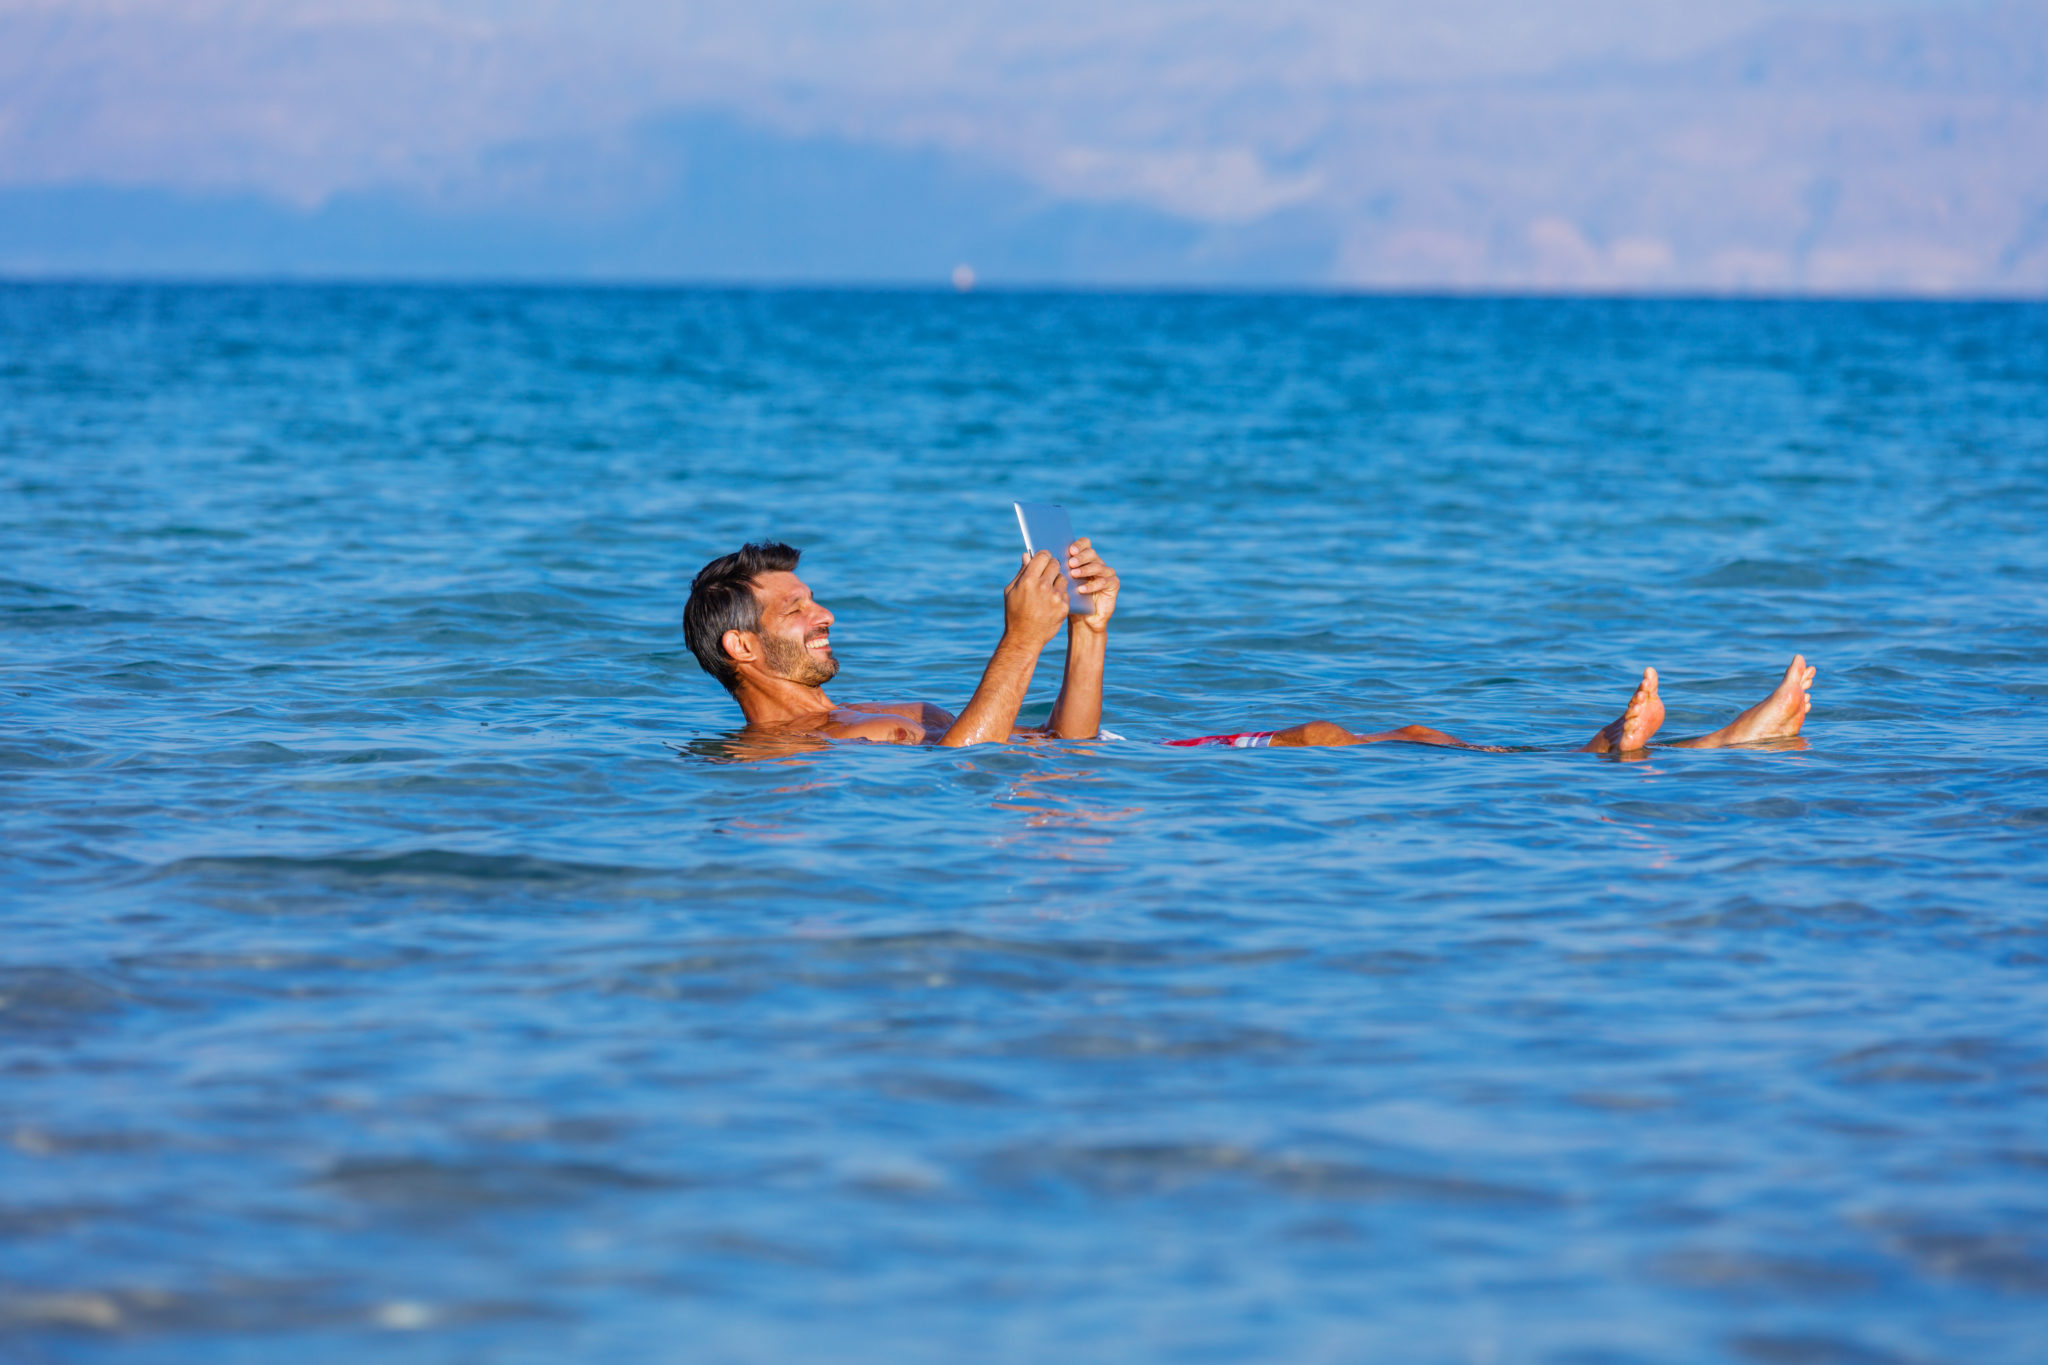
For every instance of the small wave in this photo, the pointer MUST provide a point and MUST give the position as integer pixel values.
(53, 999)
(422, 865)
(1151, 1168)
(426, 1186)
(46, 752)
(511, 605)
(1763, 573)
(1934, 1061)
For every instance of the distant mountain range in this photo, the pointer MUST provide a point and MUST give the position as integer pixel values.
(713, 199)
(1901, 152)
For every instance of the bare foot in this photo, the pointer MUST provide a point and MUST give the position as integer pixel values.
(1644, 714)
(1777, 716)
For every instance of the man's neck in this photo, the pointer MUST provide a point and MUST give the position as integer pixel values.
(777, 701)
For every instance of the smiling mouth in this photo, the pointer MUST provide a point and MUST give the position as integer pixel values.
(822, 644)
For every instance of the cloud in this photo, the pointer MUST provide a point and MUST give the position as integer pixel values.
(1760, 144)
(310, 97)
(1219, 185)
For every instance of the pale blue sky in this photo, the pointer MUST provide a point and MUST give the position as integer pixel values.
(1751, 144)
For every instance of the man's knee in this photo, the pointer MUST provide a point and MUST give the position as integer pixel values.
(1422, 734)
(1324, 733)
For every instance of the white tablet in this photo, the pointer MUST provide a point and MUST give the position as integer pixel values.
(1045, 527)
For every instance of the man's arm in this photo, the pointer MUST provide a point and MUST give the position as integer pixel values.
(1033, 606)
(1078, 712)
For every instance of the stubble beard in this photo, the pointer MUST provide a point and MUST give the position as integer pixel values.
(792, 660)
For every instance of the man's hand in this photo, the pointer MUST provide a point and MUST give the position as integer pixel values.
(1097, 580)
(1035, 602)
(1033, 606)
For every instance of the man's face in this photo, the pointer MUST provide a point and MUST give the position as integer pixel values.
(795, 631)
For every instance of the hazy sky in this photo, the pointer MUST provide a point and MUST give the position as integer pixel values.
(1440, 127)
(1192, 97)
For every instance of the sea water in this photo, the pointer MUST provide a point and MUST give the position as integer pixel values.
(402, 958)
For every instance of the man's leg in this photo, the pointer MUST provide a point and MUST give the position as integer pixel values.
(1777, 716)
(1321, 734)
(1644, 714)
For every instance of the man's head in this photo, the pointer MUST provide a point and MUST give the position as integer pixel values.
(749, 613)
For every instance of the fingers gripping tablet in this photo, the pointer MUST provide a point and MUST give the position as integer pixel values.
(1045, 527)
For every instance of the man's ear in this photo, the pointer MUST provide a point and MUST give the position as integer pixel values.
(741, 646)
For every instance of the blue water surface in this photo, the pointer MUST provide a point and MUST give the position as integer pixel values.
(402, 960)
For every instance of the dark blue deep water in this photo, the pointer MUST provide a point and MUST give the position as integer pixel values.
(399, 960)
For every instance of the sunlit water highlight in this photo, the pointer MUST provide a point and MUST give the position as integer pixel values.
(401, 962)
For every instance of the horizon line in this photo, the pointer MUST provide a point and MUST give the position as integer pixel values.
(1022, 287)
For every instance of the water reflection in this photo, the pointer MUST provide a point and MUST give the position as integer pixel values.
(755, 746)
(1060, 799)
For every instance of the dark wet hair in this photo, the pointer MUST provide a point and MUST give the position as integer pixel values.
(722, 599)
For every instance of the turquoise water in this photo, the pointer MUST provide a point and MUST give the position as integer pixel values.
(401, 961)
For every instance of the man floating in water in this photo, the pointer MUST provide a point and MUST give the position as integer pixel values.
(754, 626)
